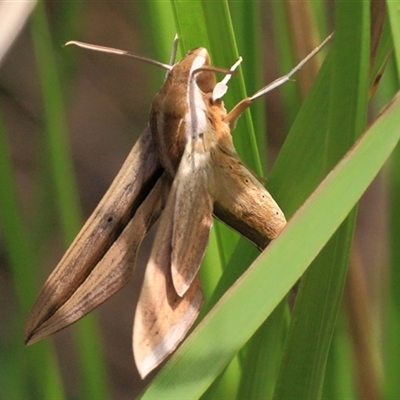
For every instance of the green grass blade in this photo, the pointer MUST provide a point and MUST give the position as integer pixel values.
(290, 93)
(56, 137)
(394, 18)
(259, 381)
(59, 165)
(306, 350)
(383, 52)
(340, 373)
(263, 356)
(21, 364)
(392, 326)
(246, 18)
(159, 27)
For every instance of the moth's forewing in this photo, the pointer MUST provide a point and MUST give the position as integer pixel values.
(70, 291)
(192, 215)
(162, 317)
(113, 271)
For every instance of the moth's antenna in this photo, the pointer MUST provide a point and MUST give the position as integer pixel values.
(111, 50)
(172, 57)
(211, 68)
(174, 50)
(237, 111)
(285, 78)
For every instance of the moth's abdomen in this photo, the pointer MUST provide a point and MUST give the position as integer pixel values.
(243, 203)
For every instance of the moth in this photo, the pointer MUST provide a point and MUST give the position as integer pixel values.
(184, 169)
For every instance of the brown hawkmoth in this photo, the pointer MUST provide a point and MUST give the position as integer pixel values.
(184, 167)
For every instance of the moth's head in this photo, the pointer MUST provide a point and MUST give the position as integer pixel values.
(199, 52)
(195, 59)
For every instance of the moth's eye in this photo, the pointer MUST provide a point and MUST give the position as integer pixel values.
(206, 81)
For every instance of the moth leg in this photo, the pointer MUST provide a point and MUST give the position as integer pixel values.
(237, 111)
(233, 115)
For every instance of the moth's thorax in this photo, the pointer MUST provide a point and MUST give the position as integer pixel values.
(179, 110)
(222, 132)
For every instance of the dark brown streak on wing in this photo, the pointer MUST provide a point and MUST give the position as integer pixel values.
(240, 226)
